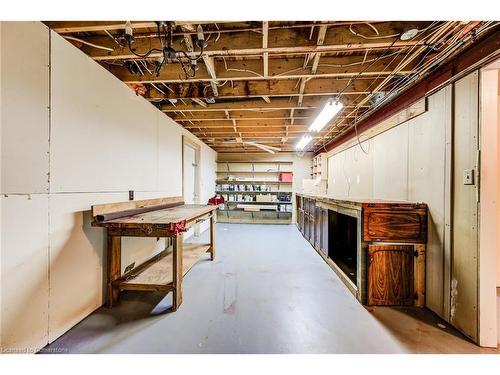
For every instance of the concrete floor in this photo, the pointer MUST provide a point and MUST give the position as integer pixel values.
(267, 291)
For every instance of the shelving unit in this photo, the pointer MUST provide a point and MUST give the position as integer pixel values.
(255, 183)
(319, 167)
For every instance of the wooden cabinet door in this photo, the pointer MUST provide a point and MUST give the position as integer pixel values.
(390, 275)
(306, 225)
(312, 210)
(319, 227)
(324, 231)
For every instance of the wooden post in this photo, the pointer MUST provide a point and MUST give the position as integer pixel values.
(177, 271)
(420, 275)
(114, 268)
(212, 236)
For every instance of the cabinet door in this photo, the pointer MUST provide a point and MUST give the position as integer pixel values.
(312, 210)
(390, 275)
(324, 231)
(306, 218)
(318, 227)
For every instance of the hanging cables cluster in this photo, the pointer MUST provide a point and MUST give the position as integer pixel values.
(439, 49)
(165, 30)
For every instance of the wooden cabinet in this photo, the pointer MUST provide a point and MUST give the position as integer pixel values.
(376, 248)
(394, 222)
(390, 275)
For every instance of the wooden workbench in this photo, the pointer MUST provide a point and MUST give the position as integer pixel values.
(162, 217)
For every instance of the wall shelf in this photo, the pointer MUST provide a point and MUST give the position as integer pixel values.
(254, 173)
(249, 182)
(251, 192)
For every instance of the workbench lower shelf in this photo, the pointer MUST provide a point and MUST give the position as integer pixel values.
(158, 276)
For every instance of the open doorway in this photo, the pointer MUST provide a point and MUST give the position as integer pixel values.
(489, 260)
(191, 177)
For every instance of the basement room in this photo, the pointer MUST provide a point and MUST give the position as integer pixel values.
(249, 181)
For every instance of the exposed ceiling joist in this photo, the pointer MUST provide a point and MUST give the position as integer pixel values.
(269, 79)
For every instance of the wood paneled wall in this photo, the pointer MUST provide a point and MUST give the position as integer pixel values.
(405, 162)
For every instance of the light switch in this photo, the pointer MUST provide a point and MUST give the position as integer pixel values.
(468, 177)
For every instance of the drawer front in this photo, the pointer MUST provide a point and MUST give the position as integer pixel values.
(398, 225)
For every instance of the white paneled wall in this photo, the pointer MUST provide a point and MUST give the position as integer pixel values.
(406, 162)
(24, 99)
(25, 271)
(104, 141)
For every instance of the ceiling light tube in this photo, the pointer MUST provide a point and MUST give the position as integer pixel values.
(303, 142)
(331, 108)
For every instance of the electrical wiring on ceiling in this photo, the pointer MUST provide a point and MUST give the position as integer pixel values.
(88, 43)
(306, 67)
(114, 39)
(239, 70)
(377, 36)
(453, 45)
(392, 73)
(404, 82)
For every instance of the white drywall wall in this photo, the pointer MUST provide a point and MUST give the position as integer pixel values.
(25, 101)
(104, 141)
(24, 95)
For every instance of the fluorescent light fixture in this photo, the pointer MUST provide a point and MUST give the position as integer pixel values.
(303, 142)
(331, 108)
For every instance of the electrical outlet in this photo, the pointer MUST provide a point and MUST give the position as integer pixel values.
(130, 195)
(468, 177)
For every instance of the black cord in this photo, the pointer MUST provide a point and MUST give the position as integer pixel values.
(146, 54)
(194, 58)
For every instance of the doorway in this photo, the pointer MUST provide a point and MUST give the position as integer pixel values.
(191, 177)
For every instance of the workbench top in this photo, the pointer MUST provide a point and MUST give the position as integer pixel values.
(162, 217)
(361, 201)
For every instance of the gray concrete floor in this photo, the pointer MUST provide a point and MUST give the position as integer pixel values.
(267, 291)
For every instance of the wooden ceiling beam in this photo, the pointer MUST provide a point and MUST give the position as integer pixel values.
(265, 55)
(321, 38)
(280, 69)
(67, 27)
(200, 102)
(261, 109)
(257, 89)
(293, 49)
(283, 41)
(251, 133)
(303, 125)
(62, 27)
(253, 119)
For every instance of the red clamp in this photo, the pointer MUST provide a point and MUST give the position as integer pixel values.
(175, 228)
(216, 200)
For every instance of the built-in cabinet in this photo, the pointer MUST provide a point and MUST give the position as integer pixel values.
(376, 248)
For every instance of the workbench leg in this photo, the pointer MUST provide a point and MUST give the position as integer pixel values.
(177, 271)
(114, 268)
(420, 275)
(212, 237)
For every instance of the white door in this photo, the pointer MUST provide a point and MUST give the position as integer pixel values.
(189, 175)
(190, 182)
